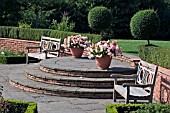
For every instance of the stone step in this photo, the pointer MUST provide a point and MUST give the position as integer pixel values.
(20, 81)
(33, 72)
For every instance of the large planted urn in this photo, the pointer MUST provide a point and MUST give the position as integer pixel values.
(77, 52)
(103, 62)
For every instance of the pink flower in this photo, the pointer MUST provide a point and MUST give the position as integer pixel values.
(114, 42)
(76, 41)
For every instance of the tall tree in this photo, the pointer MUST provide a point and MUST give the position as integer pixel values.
(9, 12)
(37, 6)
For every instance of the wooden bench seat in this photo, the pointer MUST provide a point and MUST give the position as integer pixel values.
(49, 48)
(142, 88)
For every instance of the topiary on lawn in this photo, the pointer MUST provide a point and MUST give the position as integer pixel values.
(145, 24)
(99, 18)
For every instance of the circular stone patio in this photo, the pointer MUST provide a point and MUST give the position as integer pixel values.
(84, 64)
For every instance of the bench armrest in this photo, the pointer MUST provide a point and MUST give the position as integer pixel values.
(32, 47)
(48, 50)
(124, 76)
(137, 85)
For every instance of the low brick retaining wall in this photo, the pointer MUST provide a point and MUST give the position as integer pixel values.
(162, 87)
(16, 45)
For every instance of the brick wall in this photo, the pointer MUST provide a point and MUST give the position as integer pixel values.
(16, 45)
(162, 86)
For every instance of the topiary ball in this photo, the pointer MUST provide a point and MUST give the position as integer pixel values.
(99, 18)
(144, 24)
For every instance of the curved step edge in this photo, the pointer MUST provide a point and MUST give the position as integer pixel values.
(72, 81)
(88, 74)
(80, 93)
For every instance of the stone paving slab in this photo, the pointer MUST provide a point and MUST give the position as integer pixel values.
(83, 64)
(78, 105)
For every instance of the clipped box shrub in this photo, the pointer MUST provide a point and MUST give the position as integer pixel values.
(145, 24)
(99, 18)
(137, 108)
(9, 57)
(18, 106)
(12, 59)
(35, 34)
(155, 55)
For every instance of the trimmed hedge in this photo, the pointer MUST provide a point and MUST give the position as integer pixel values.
(122, 108)
(18, 106)
(12, 59)
(137, 108)
(155, 55)
(35, 34)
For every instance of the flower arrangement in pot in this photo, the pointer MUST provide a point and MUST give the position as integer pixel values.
(103, 52)
(76, 44)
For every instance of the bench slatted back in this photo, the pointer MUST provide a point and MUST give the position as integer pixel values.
(50, 43)
(147, 74)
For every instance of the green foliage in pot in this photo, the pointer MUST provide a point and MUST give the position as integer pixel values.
(145, 24)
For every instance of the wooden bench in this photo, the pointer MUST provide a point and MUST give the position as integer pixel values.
(143, 87)
(49, 48)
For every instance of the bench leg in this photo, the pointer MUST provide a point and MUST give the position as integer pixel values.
(127, 95)
(135, 101)
(114, 95)
(27, 60)
(127, 100)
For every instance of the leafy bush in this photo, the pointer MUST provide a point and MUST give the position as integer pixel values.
(137, 108)
(35, 34)
(154, 108)
(99, 18)
(122, 108)
(64, 25)
(16, 106)
(155, 55)
(8, 53)
(144, 24)
(24, 25)
(9, 57)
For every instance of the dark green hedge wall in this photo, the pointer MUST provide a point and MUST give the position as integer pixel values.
(35, 34)
(155, 55)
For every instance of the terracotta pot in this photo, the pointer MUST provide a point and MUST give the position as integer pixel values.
(103, 62)
(76, 52)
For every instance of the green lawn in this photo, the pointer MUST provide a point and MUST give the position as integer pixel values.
(131, 46)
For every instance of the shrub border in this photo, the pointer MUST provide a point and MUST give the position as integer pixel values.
(12, 59)
(113, 108)
(32, 106)
(35, 34)
(155, 55)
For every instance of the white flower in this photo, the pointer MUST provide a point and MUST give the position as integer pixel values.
(99, 56)
(99, 43)
(84, 38)
(101, 48)
(2, 53)
(91, 50)
(110, 54)
(105, 46)
(68, 42)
